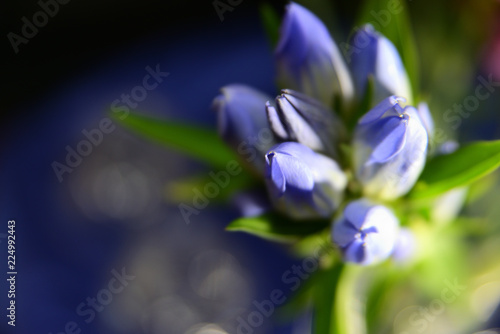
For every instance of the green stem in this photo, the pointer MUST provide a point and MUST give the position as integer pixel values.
(348, 308)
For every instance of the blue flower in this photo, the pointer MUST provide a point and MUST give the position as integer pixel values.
(390, 147)
(302, 119)
(425, 116)
(374, 55)
(242, 123)
(308, 60)
(366, 233)
(303, 183)
(405, 246)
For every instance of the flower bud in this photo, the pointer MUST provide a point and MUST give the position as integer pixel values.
(251, 203)
(308, 60)
(299, 118)
(374, 55)
(425, 116)
(303, 183)
(390, 147)
(366, 233)
(405, 246)
(242, 123)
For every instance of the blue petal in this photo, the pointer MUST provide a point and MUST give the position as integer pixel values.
(251, 203)
(289, 171)
(448, 147)
(366, 233)
(344, 232)
(311, 123)
(356, 252)
(405, 246)
(241, 111)
(275, 174)
(426, 118)
(242, 119)
(303, 183)
(365, 41)
(275, 122)
(390, 141)
(299, 129)
(296, 172)
(390, 74)
(375, 56)
(308, 59)
(300, 31)
(388, 105)
(356, 211)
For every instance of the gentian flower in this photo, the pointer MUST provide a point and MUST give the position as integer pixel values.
(374, 55)
(308, 59)
(390, 147)
(242, 123)
(302, 119)
(303, 183)
(405, 246)
(251, 203)
(425, 116)
(366, 233)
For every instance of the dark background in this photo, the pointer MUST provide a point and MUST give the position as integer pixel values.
(69, 239)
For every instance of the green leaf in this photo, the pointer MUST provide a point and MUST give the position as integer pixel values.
(392, 19)
(277, 227)
(271, 22)
(182, 190)
(198, 142)
(347, 312)
(299, 300)
(364, 105)
(324, 295)
(460, 168)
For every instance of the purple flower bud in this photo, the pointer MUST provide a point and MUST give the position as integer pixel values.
(447, 147)
(303, 183)
(251, 203)
(405, 246)
(425, 116)
(374, 55)
(304, 120)
(366, 233)
(390, 147)
(307, 58)
(242, 122)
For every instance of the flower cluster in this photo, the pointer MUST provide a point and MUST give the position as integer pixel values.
(307, 174)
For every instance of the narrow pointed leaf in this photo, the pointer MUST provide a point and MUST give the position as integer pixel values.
(271, 22)
(276, 227)
(324, 295)
(460, 168)
(198, 142)
(179, 191)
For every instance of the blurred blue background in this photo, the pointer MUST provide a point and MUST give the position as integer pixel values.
(112, 212)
